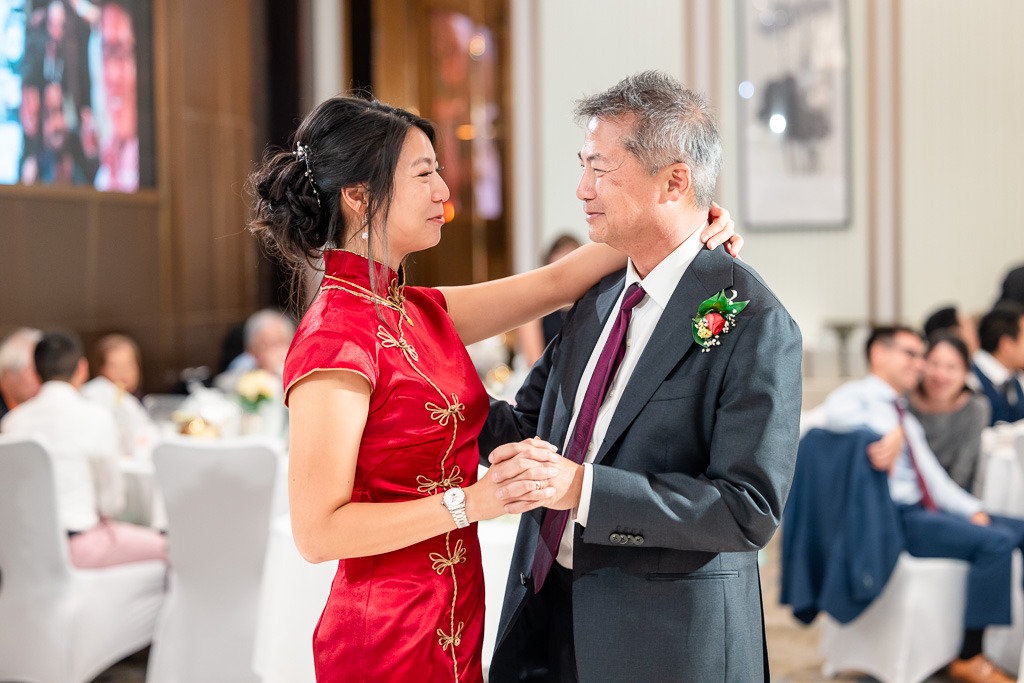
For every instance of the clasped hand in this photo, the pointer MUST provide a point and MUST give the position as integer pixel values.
(512, 470)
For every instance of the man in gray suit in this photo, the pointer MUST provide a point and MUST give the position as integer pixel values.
(678, 407)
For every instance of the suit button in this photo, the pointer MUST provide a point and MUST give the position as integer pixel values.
(630, 538)
(614, 538)
(639, 540)
(522, 578)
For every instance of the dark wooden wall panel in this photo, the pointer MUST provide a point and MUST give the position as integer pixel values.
(171, 266)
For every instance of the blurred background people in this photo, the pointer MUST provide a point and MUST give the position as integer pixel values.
(268, 334)
(952, 415)
(117, 362)
(81, 438)
(938, 517)
(1000, 360)
(1013, 286)
(534, 337)
(119, 147)
(951, 321)
(18, 379)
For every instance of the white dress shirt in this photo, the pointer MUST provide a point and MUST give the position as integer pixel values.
(996, 372)
(81, 438)
(136, 431)
(659, 286)
(870, 403)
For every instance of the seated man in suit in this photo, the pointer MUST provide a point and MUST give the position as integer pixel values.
(18, 379)
(939, 519)
(82, 440)
(1001, 358)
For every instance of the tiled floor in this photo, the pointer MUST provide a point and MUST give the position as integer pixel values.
(792, 647)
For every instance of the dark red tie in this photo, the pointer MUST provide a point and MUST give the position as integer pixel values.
(553, 526)
(926, 499)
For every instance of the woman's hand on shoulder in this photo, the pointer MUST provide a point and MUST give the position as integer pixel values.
(721, 229)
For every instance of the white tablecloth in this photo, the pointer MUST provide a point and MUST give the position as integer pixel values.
(1000, 484)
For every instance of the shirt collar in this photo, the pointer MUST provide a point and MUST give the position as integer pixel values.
(882, 389)
(57, 389)
(990, 367)
(661, 282)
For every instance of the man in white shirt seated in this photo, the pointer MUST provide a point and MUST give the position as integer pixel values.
(82, 440)
(114, 386)
(939, 518)
(1000, 360)
(18, 379)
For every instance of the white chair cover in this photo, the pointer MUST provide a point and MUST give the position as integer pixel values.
(59, 624)
(218, 496)
(907, 633)
(293, 598)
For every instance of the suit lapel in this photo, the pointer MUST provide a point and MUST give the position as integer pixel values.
(579, 343)
(672, 340)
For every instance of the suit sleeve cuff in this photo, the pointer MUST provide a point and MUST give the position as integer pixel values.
(583, 509)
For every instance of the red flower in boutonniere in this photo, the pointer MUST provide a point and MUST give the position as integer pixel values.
(716, 317)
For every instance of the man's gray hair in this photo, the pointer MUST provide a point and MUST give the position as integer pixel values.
(671, 125)
(260, 320)
(17, 348)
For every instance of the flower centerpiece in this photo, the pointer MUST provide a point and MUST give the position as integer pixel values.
(255, 388)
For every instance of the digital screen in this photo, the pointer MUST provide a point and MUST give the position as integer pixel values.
(71, 87)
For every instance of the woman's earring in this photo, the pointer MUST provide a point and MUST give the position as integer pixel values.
(366, 225)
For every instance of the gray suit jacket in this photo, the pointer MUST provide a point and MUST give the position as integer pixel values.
(689, 482)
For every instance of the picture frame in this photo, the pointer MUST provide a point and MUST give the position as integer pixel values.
(793, 115)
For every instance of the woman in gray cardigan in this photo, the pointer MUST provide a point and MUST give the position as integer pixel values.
(952, 415)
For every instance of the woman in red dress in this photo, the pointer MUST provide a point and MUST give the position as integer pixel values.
(385, 404)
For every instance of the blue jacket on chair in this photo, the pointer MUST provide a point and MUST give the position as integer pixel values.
(841, 535)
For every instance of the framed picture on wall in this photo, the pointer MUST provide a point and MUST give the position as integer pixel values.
(793, 113)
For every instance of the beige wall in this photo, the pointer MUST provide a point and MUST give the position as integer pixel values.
(962, 148)
(958, 120)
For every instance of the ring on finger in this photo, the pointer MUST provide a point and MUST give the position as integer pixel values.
(537, 485)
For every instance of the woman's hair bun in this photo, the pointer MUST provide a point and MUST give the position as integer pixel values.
(288, 213)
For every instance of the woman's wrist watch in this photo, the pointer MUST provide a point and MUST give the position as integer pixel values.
(455, 500)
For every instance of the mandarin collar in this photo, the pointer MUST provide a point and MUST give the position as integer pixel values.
(354, 268)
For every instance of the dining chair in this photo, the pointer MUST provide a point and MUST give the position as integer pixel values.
(905, 635)
(218, 500)
(59, 624)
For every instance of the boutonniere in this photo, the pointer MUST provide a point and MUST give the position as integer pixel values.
(715, 317)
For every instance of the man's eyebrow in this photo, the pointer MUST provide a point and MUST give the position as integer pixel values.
(590, 157)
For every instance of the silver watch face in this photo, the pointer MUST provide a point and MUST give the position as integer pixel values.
(454, 497)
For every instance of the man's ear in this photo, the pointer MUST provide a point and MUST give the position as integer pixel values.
(356, 198)
(679, 180)
(81, 375)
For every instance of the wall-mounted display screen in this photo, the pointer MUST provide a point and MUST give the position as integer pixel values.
(76, 93)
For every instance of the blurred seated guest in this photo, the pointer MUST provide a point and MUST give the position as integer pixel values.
(953, 416)
(268, 334)
(951, 321)
(533, 337)
(938, 517)
(18, 379)
(1013, 286)
(116, 385)
(81, 438)
(1000, 359)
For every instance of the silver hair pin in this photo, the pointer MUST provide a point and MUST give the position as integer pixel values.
(302, 152)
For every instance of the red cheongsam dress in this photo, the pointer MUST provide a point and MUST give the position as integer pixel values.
(415, 614)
